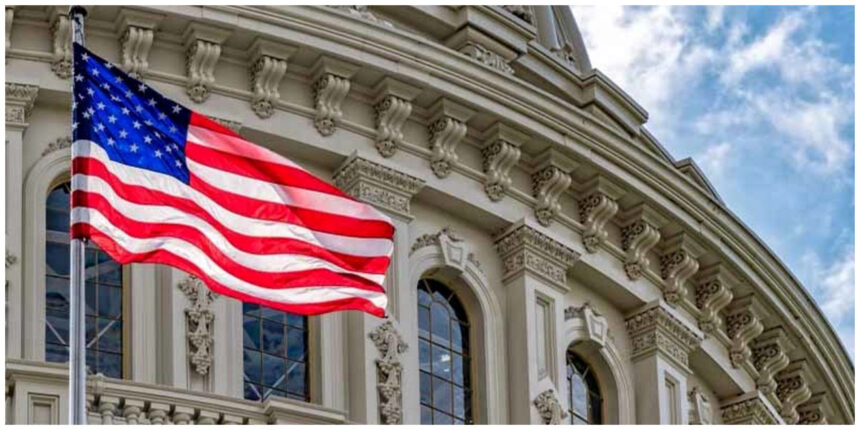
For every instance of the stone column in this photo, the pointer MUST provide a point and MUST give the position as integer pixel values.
(661, 341)
(535, 277)
(19, 103)
(390, 191)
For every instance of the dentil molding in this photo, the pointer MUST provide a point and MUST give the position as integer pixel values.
(378, 185)
(523, 249)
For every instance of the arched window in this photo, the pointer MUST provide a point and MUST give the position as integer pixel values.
(586, 404)
(443, 352)
(275, 353)
(104, 295)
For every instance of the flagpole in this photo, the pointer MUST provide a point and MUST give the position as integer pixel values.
(77, 323)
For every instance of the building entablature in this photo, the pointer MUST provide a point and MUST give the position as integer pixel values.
(521, 105)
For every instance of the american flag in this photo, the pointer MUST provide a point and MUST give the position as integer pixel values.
(155, 182)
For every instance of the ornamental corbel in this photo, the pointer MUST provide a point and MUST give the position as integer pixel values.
(743, 324)
(331, 85)
(447, 129)
(137, 32)
(393, 105)
(713, 293)
(199, 320)
(500, 153)
(792, 389)
(202, 50)
(678, 262)
(640, 232)
(390, 345)
(769, 357)
(61, 55)
(597, 206)
(550, 409)
(377, 185)
(657, 329)
(268, 66)
(20, 99)
(523, 250)
(814, 410)
(550, 178)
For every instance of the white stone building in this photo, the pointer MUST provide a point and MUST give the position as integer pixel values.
(553, 263)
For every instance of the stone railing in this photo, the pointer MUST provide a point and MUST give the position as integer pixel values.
(37, 393)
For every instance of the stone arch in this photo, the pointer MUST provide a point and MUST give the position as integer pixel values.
(587, 334)
(446, 257)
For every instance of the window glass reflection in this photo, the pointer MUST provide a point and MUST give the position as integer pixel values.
(584, 395)
(275, 353)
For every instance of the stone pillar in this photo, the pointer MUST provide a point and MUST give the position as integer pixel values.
(19, 103)
(390, 191)
(535, 277)
(661, 341)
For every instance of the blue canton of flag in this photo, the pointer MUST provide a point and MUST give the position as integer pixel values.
(136, 125)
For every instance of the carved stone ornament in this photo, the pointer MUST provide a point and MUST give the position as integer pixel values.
(596, 209)
(378, 185)
(61, 56)
(589, 322)
(640, 231)
(677, 265)
(522, 12)
(769, 357)
(812, 412)
(329, 92)
(61, 143)
(748, 410)
(389, 371)
(455, 252)
(481, 54)
(700, 408)
(742, 326)
(447, 129)
(565, 52)
(549, 408)
(432, 239)
(364, 13)
(199, 322)
(200, 60)
(526, 250)
(500, 153)
(11, 259)
(792, 389)
(136, 42)
(269, 64)
(712, 295)
(547, 185)
(391, 114)
(656, 330)
(19, 102)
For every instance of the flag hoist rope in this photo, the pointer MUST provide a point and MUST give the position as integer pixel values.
(77, 324)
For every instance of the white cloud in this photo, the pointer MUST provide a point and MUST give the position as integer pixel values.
(833, 287)
(714, 159)
(714, 17)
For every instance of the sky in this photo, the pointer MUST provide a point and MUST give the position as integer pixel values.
(762, 98)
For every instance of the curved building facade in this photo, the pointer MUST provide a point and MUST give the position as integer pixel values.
(553, 263)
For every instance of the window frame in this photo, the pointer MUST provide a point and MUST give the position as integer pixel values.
(589, 391)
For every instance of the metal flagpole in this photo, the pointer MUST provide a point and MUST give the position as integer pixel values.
(77, 324)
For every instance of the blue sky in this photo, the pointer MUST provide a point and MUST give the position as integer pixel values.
(763, 99)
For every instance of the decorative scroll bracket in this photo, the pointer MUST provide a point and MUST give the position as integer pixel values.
(640, 232)
(500, 153)
(202, 50)
(393, 105)
(550, 179)
(331, 85)
(269, 64)
(447, 129)
(596, 208)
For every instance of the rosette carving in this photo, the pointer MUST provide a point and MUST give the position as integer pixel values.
(389, 371)
(548, 183)
(742, 326)
(329, 92)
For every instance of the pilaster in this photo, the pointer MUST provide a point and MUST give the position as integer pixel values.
(20, 99)
(596, 207)
(535, 268)
(393, 105)
(447, 129)
(551, 177)
(662, 342)
(500, 153)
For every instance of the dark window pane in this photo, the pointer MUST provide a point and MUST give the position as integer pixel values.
(425, 389)
(57, 220)
(90, 329)
(91, 271)
(57, 294)
(457, 369)
(110, 272)
(426, 415)
(274, 371)
(56, 327)
(296, 344)
(424, 355)
(441, 362)
(441, 418)
(250, 308)
(90, 289)
(253, 371)
(273, 338)
(110, 301)
(424, 322)
(459, 402)
(252, 392)
(272, 314)
(442, 394)
(57, 259)
(297, 321)
(56, 353)
(251, 328)
(424, 298)
(110, 335)
(441, 323)
(297, 379)
(110, 365)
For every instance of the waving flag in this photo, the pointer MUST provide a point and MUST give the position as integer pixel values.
(155, 182)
